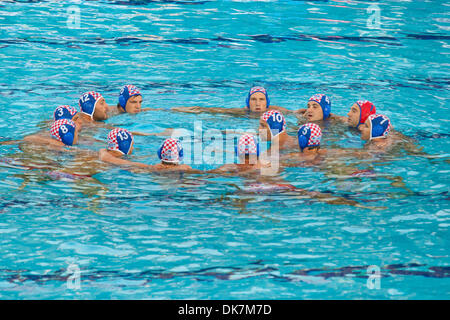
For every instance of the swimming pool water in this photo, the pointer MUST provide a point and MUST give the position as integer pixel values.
(142, 236)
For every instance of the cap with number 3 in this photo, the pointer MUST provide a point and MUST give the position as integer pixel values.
(64, 112)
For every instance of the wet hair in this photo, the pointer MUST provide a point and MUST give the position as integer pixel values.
(247, 159)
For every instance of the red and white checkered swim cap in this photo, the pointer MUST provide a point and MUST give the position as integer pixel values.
(97, 96)
(254, 90)
(132, 90)
(63, 130)
(275, 120)
(324, 103)
(258, 89)
(309, 135)
(88, 101)
(247, 145)
(120, 140)
(171, 151)
(316, 134)
(64, 112)
(126, 93)
(316, 97)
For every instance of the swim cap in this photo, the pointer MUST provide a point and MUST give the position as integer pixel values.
(309, 135)
(255, 90)
(88, 101)
(366, 108)
(324, 102)
(247, 145)
(64, 112)
(126, 93)
(120, 140)
(64, 131)
(275, 120)
(381, 125)
(171, 151)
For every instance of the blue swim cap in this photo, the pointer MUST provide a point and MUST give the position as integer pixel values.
(64, 112)
(255, 90)
(127, 92)
(381, 126)
(88, 101)
(309, 135)
(276, 122)
(64, 131)
(324, 102)
(120, 140)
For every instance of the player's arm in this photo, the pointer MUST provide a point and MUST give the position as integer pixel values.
(197, 109)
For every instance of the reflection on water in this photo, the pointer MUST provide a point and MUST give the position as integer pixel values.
(319, 225)
(256, 269)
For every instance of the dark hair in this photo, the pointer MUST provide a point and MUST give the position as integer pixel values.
(120, 107)
(247, 158)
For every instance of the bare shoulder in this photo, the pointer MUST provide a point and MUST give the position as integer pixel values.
(37, 138)
(338, 118)
(184, 167)
(103, 154)
(43, 140)
(290, 155)
(112, 111)
(225, 168)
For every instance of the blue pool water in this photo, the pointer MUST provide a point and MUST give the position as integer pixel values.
(142, 236)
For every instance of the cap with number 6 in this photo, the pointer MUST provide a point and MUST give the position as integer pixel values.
(120, 140)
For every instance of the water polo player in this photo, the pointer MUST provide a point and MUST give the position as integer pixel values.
(256, 102)
(318, 108)
(248, 152)
(376, 131)
(120, 144)
(272, 127)
(93, 107)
